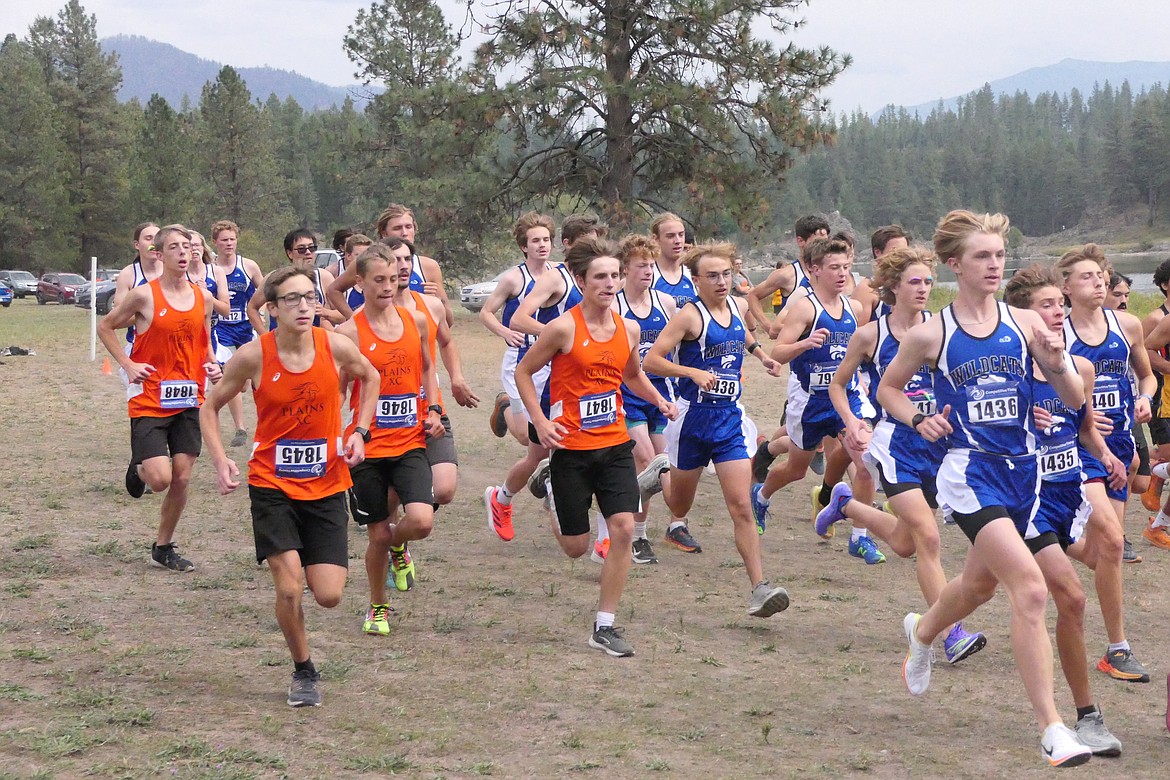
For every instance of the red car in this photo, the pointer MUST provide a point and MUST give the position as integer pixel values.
(61, 288)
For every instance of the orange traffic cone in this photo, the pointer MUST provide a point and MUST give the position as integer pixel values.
(106, 367)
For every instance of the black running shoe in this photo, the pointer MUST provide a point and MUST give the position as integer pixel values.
(305, 689)
(167, 557)
(134, 484)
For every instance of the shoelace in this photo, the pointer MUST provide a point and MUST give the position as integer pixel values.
(401, 559)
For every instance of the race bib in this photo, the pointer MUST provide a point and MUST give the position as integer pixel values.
(1106, 394)
(300, 458)
(726, 387)
(178, 394)
(923, 401)
(821, 376)
(397, 411)
(598, 410)
(997, 404)
(234, 316)
(1060, 460)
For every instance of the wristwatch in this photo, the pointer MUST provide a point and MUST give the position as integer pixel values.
(363, 432)
(436, 409)
(916, 420)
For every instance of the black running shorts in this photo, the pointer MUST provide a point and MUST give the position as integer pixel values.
(579, 475)
(315, 529)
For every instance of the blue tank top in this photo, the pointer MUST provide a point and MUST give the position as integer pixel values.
(683, 291)
(814, 369)
(802, 280)
(651, 325)
(718, 349)
(987, 383)
(920, 388)
(528, 281)
(354, 298)
(1113, 388)
(1057, 449)
(234, 328)
(570, 298)
(418, 280)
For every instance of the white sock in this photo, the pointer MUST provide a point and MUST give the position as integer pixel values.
(1161, 470)
(1122, 645)
(603, 619)
(765, 500)
(859, 533)
(677, 523)
(640, 530)
(503, 496)
(602, 530)
(1161, 520)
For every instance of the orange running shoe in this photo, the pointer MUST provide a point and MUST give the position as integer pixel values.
(1156, 536)
(600, 551)
(1152, 498)
(499, 516)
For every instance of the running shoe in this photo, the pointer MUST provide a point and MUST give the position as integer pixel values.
(401, 568)
(498, 422)
(600, 551)
(305, 689)
(376, 622)
(240, 438)
(1121, 665)
(681, 538)
(959, 644)
(818, 462)
(1152, 498)
(834, 512)
(1128, 554)
(1156, 536)
(864, 548)
(916, 667)
(499, 516)
(643, 552)
(767, 600)
(759, 508)
(1060, 746)
(817, 506)
(165, 556)
(761, 462)
(1092, 733)
(650, 478)
(609, 639)
(134, 484)
(538, 482)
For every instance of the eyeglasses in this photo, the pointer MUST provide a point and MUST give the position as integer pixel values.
(294, 299)
(715, 276)
(305, 250)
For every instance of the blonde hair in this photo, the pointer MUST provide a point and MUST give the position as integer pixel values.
(1026, 281)
(222, 225)
(724, 251)
(356, 240)
(528, 222)
(1090, 252)
(817, 249)
(889, 268)
(662, 219)
(393, 211)
(953, 230)
(634, 246)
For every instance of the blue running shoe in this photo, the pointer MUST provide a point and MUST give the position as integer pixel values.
(759, 509)
(866, 550)
(959, 644)
(835, 511)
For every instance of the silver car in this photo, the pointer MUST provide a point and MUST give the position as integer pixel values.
(22, 282)
(474, 296)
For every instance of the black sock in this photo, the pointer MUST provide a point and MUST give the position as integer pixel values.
(1083, 711)
(825, 494)
(305, 666)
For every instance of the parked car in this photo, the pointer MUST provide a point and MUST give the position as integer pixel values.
(58, 287)
(105, 296)
(22, 282)
(5, 294)
(326, 257)
(474, 296)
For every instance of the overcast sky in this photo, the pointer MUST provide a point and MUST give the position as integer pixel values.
(904, 52)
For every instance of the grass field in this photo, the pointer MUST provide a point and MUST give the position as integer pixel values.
(111, 669)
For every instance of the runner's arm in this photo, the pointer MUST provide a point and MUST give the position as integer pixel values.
(255, 311)
(685, 324)
(548, 290)
(508, 287)
(797, 320)
(449, 354)
(244, 366)
(556, 337)
(860, 349)
(335, 292)
(918, 348)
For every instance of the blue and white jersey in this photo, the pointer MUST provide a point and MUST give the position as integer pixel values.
(800, 280)
(354, 298)
(683, 291)
(719, 350)
(813, 370)
(569, 298)
(988, 384)
(920, 388)
(527, 282)
(651, 325)
(139, 280)
(233, 328)
(418, 279)
(1113, 389)
(1057, 447)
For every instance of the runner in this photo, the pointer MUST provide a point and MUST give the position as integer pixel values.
(340, 238)
(1104, 338)
(395, 471)
(983, 351)
(592, 350)
(710, 336)
(671, 276)
(884, 239)
(903, 463)
(233, 329)
(144, 268)
(299, 469)
(817, 329)
(168, 365)
(210, 277)
(353, 298)
(787, 277)
(300, 247)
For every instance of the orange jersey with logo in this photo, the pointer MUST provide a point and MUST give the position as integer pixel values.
(398, 421)
(298, 430)
(585, 387)
(432, 340)
(176, 344)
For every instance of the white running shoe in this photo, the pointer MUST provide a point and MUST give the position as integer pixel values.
(1060, 746)
(916, 668)
(650, 478)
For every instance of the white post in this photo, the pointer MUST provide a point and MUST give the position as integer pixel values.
(92, 309)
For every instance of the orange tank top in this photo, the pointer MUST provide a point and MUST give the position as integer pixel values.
(398, 421)
(298, 429)
(585, 387)
(176, 345)
(432, 341)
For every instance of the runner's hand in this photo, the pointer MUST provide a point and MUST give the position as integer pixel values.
(550, 434)
(1141, 411)
(704, 379)
(226, 472)
(1042, 417)
(1118, 475)
(1102, 423)
(138, 372)
(936, 426)
(355, 449)
(214, 371)
(857, 435)
(464, 395)
(816, 339)
(1049, 350)
(514, 338)
(669, 410)
(434, 425)
(771, 366)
